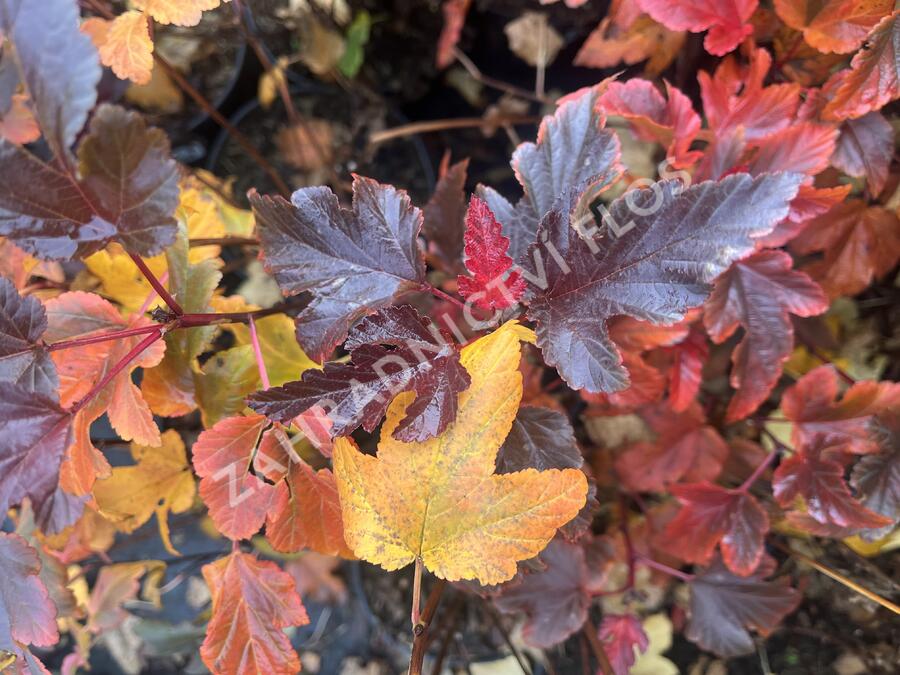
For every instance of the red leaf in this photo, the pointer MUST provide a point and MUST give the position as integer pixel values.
(811, 475)
(803, 148)
(759, 293)
(685, 448)
(812, 405)
(711, 515)
(620, 634)
(352, 261)
(727, 22)
(865, 148)
(237, 499)
(725, 607)
(668, 120)
(860, 242)
(686, 371)
(873, 80)
(555, 599)
(252, 602)
(454, 20)
(489, 287)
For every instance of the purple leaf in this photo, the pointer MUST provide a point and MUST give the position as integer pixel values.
(392, 351)
(540, 439)
(353, 262)
(36, 433)
(127, 190)
(876, 478)
(572, 148)
(655, 258)
(865, 148)
(23, 359)
(725, 608)
(445, 214)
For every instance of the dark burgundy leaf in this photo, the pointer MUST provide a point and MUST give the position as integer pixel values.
(865, 148)
(572, 149)
(59, 67)
(554, 599)
(812, 405)
(725, 608)
(127, 190)
(540, 439)
(711, 515)
(23, 359)
(876, 478)
(353, 262)
(36, 433)
(653, 267)
(444, 217)
(759, 293)
(489, 287)
(392, 351)
(620, 634)
(813, 475)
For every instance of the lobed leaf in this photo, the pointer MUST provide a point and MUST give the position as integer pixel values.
(23, 358)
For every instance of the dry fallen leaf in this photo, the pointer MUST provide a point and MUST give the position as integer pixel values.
(533, 39)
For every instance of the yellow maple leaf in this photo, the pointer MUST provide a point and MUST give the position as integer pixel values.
(179, 12)
(160, 482)
(439, 500)
(127, 47)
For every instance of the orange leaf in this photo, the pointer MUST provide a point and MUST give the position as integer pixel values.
(18, 124)
(237, 499)
(179, 12)
(834, 25)
(127, 47)
(307, 513)
(252, 601)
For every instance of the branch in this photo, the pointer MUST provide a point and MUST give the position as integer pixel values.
(157, 285)
(420, 630)
(590, 632)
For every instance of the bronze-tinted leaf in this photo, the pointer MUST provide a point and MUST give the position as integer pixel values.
(352, 262)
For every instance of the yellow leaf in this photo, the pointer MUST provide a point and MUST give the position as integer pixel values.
(160, 482)
(121, 280)
(270, 81)
(439, 500)
(225, 380)
(160, 94)
(179, 12)
(285, 360)
(658, 628)
(128, 49)
(238, 222)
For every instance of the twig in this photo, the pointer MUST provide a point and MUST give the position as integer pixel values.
(759, 470)
(420, 630)
(590, 632)
(840, 578)
(443, 124)
(417, 593)
(223, 241)
(487, 81)
(157, 285)
(117, 368)
(665, 569)
(505, 634)
(846, 377)
(105, 337)
(438, 293)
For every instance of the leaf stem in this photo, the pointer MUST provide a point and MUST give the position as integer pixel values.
(417, 592)
(665, 569)
(425, 126)
(759, 470)
(260, 363)
(590, 632)
(438, 293)
(157, 285)
(223, 241)
(119, 367)
(105, 337)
